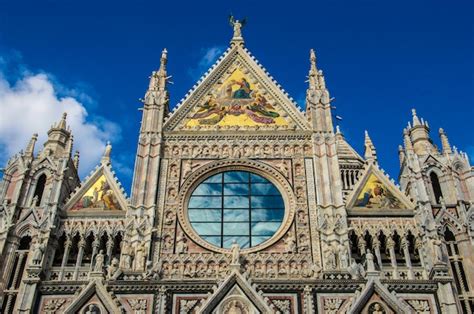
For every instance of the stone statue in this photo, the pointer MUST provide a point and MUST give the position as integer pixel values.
(237, 26)
(140, 257)
(99, 261)
(343, 257)
(235, 253)
(356, 270)
(37, 253)
(126, 255)
(112, 268)
(108, 150)
(331, 259)
(34, 201)
(369, 257)
(181, 245)
(438, 252)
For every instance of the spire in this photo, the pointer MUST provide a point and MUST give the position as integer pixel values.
(370, 153)
(237, 26)
(420, 135)
(76, 160)
(30, 148)
(313, 71)
(416, 121)
(406, 140)
(107, 151)
(157, 93)
(62, 122)
(445, 142)
(59, 138)
(318, 102)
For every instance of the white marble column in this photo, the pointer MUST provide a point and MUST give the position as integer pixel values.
(67, 248)
(376, 248)
(404, 244)
(81, 245)
(393, 258)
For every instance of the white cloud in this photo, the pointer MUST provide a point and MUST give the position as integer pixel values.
(32, 102)
(208, 57)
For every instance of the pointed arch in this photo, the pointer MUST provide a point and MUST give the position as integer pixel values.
(435, 186)
(39, 189)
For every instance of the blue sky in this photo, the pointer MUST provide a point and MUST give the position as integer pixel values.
(380, 59)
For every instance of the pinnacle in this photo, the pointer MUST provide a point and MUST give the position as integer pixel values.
(416, 121)
(62, 122)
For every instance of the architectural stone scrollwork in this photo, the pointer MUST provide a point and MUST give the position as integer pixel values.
(53, 305)
(420, 306)
(139, 306)
(332, 305)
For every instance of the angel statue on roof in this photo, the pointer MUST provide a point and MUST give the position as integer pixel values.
(237, 25)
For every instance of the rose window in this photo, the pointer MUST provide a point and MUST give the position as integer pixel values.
(236, 206)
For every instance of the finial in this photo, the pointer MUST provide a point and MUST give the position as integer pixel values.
(338, 129)
(444, 142)
(108, 150)
(164, 59)
(370, 153)
(406, 139)
(30, 148)
(312, 59)
(237, 27)
(62, 122)
(416, 121)
(322, 81)
(313, 71)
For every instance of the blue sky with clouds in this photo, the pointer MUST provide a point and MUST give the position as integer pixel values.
(380, 58)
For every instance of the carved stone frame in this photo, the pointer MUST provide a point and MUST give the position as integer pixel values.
(265, 170)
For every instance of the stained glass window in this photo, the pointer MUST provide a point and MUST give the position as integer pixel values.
(236, 206)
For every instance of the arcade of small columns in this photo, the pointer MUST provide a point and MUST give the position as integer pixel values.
(77, 247)
(395, 244)
(15, 265)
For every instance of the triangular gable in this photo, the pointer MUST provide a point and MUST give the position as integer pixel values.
(95, 287)
(101, 191)
(345, 151)
(374, 286)
(236, 93)
(235, 286)
(374, 192)
(430, 159)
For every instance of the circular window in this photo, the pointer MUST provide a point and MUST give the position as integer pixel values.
(236, 206)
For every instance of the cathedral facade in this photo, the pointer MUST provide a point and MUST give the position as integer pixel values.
(240, 203)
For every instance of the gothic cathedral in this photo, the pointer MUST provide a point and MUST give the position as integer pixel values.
(240, 203)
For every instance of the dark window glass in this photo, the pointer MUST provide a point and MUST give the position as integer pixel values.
(236, 206)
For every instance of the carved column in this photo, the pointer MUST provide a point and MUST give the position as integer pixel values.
(393, 258)
(10, 262)
(308, 300)
(376, 248)
(406, 253)
(419, 248)
(95, 248)
(110, 246)
(16, 274)
(81, 244)
(67, 248)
